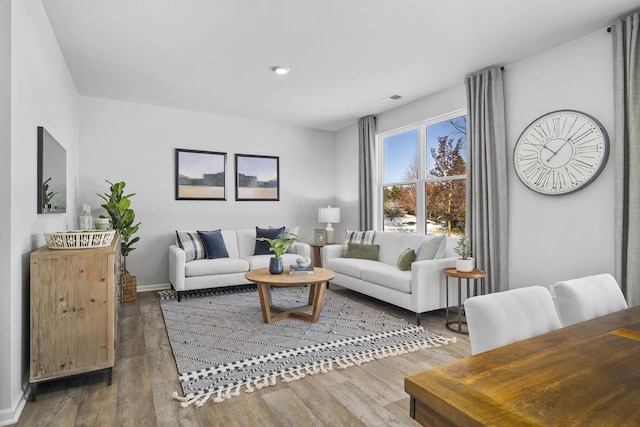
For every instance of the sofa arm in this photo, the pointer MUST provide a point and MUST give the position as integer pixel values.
(330, 251)
(428, 280)
(302, 249)
(177, 261)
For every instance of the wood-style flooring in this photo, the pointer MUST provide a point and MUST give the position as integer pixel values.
(145, 377)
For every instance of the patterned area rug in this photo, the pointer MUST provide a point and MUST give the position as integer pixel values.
(221, 345)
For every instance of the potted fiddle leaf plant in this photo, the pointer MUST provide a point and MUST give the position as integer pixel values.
(118, 206)
(465, 263)
(279, 246)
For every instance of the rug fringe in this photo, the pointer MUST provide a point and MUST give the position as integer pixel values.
(299, 372)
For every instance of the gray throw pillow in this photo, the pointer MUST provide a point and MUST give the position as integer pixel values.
(213, 244)
(432, 247)
(405, 259)
(357, 250)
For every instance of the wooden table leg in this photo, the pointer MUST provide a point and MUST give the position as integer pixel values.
(264, 291)
(317, 300)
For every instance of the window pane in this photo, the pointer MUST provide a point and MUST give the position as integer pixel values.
(400, 208)
(447, 148)
(446, 207)
(401, 157)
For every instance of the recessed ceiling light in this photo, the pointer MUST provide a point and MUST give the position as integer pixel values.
(280, 70)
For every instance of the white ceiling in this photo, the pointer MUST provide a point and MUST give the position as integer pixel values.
(345, 55)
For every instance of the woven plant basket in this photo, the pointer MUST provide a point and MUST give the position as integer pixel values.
(129, 288)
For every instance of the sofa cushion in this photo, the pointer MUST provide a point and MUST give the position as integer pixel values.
(350, 266)
(206, 267)
(213, 244)
(262, 247)
(357, 250)
(191, 244)
(405, 259)
(432, 247)
(388, 276)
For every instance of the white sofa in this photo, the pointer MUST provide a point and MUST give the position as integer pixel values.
(214, 273)
(419, 290)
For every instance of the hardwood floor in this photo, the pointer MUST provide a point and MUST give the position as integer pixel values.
(145, 377)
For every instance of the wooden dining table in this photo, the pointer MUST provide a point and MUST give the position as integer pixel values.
(584, 374)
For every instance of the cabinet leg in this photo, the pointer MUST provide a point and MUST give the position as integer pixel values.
(34, 392)
(109, 375)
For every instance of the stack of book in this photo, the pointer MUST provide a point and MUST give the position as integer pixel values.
(296, 269)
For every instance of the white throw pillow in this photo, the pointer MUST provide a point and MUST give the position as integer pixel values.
(432, 247)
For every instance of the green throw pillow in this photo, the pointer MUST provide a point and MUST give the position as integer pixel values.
(357, 250)
(405, 259)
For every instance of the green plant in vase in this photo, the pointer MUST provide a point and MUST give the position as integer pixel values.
(465, 263)
(279, 246)
(47, 196)
(118, 206)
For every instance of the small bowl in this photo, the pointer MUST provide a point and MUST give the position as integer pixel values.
(102, 223)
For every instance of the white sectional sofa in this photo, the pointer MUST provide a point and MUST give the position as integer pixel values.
(230, 271)
(419, 290)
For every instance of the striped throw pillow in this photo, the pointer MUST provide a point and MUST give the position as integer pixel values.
(361, 237)
(191, 244)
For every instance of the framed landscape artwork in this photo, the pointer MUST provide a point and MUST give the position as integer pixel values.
(200, 175)
(257, 177)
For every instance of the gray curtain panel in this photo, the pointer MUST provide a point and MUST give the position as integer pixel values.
(367, 139)
(626, 63)
(487, 205)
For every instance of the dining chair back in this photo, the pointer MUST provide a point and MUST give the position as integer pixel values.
(505, 317)
(582, 299)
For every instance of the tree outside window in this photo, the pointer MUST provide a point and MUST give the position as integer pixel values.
(429, 193)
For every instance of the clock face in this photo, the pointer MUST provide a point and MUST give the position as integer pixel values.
(561, 152)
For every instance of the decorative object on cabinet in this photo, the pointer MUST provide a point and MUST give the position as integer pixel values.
(52, 174)
(200, 175)
(73, 314)
(465, 263)
(320, 236)
(329, 215)
(561, 152)
(257, 177)
(118, 206)
(79, 239)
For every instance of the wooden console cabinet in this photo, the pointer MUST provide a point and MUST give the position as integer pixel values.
(73, 312)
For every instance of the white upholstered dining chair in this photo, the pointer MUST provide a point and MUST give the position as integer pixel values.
(499, 319)
(582, 299)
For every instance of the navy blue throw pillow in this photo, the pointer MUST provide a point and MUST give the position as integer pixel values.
(262, 247)
(213, 244)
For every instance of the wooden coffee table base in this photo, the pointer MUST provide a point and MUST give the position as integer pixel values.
(310, 312)
(272, 313)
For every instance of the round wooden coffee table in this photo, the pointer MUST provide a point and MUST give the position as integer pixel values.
(316, 282)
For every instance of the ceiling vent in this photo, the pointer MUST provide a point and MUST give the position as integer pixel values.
(390, 98)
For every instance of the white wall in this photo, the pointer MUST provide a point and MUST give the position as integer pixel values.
(561, 237)
(550, 238)
(42, 94)
(135, 143)
(347, 180)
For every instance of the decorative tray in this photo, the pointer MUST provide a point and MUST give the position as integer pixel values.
(79, 239)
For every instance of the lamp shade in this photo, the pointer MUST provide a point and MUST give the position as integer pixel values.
(329, 214)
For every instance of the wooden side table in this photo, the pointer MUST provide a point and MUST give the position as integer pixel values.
(316, 253)
(475, 275)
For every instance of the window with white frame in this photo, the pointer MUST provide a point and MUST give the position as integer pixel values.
(423, 176)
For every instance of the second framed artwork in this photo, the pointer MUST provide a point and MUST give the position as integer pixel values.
(200, 175)
(257, 177)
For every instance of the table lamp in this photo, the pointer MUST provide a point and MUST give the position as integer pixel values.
(329, 215)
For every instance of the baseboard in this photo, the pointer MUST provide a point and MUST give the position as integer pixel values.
(151, 288)
(11, 416)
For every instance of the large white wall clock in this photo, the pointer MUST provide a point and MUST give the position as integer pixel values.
(561, 152)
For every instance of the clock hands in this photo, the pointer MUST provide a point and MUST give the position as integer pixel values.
(556, 152)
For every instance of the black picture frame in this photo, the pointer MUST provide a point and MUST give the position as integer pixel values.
(200, 175)
(257, 177)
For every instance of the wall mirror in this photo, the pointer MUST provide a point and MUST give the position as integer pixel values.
(52, 174)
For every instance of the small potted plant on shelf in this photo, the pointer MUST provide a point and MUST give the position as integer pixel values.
(279, 246)
(465, 263)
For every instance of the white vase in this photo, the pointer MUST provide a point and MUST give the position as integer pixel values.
(465, 265)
